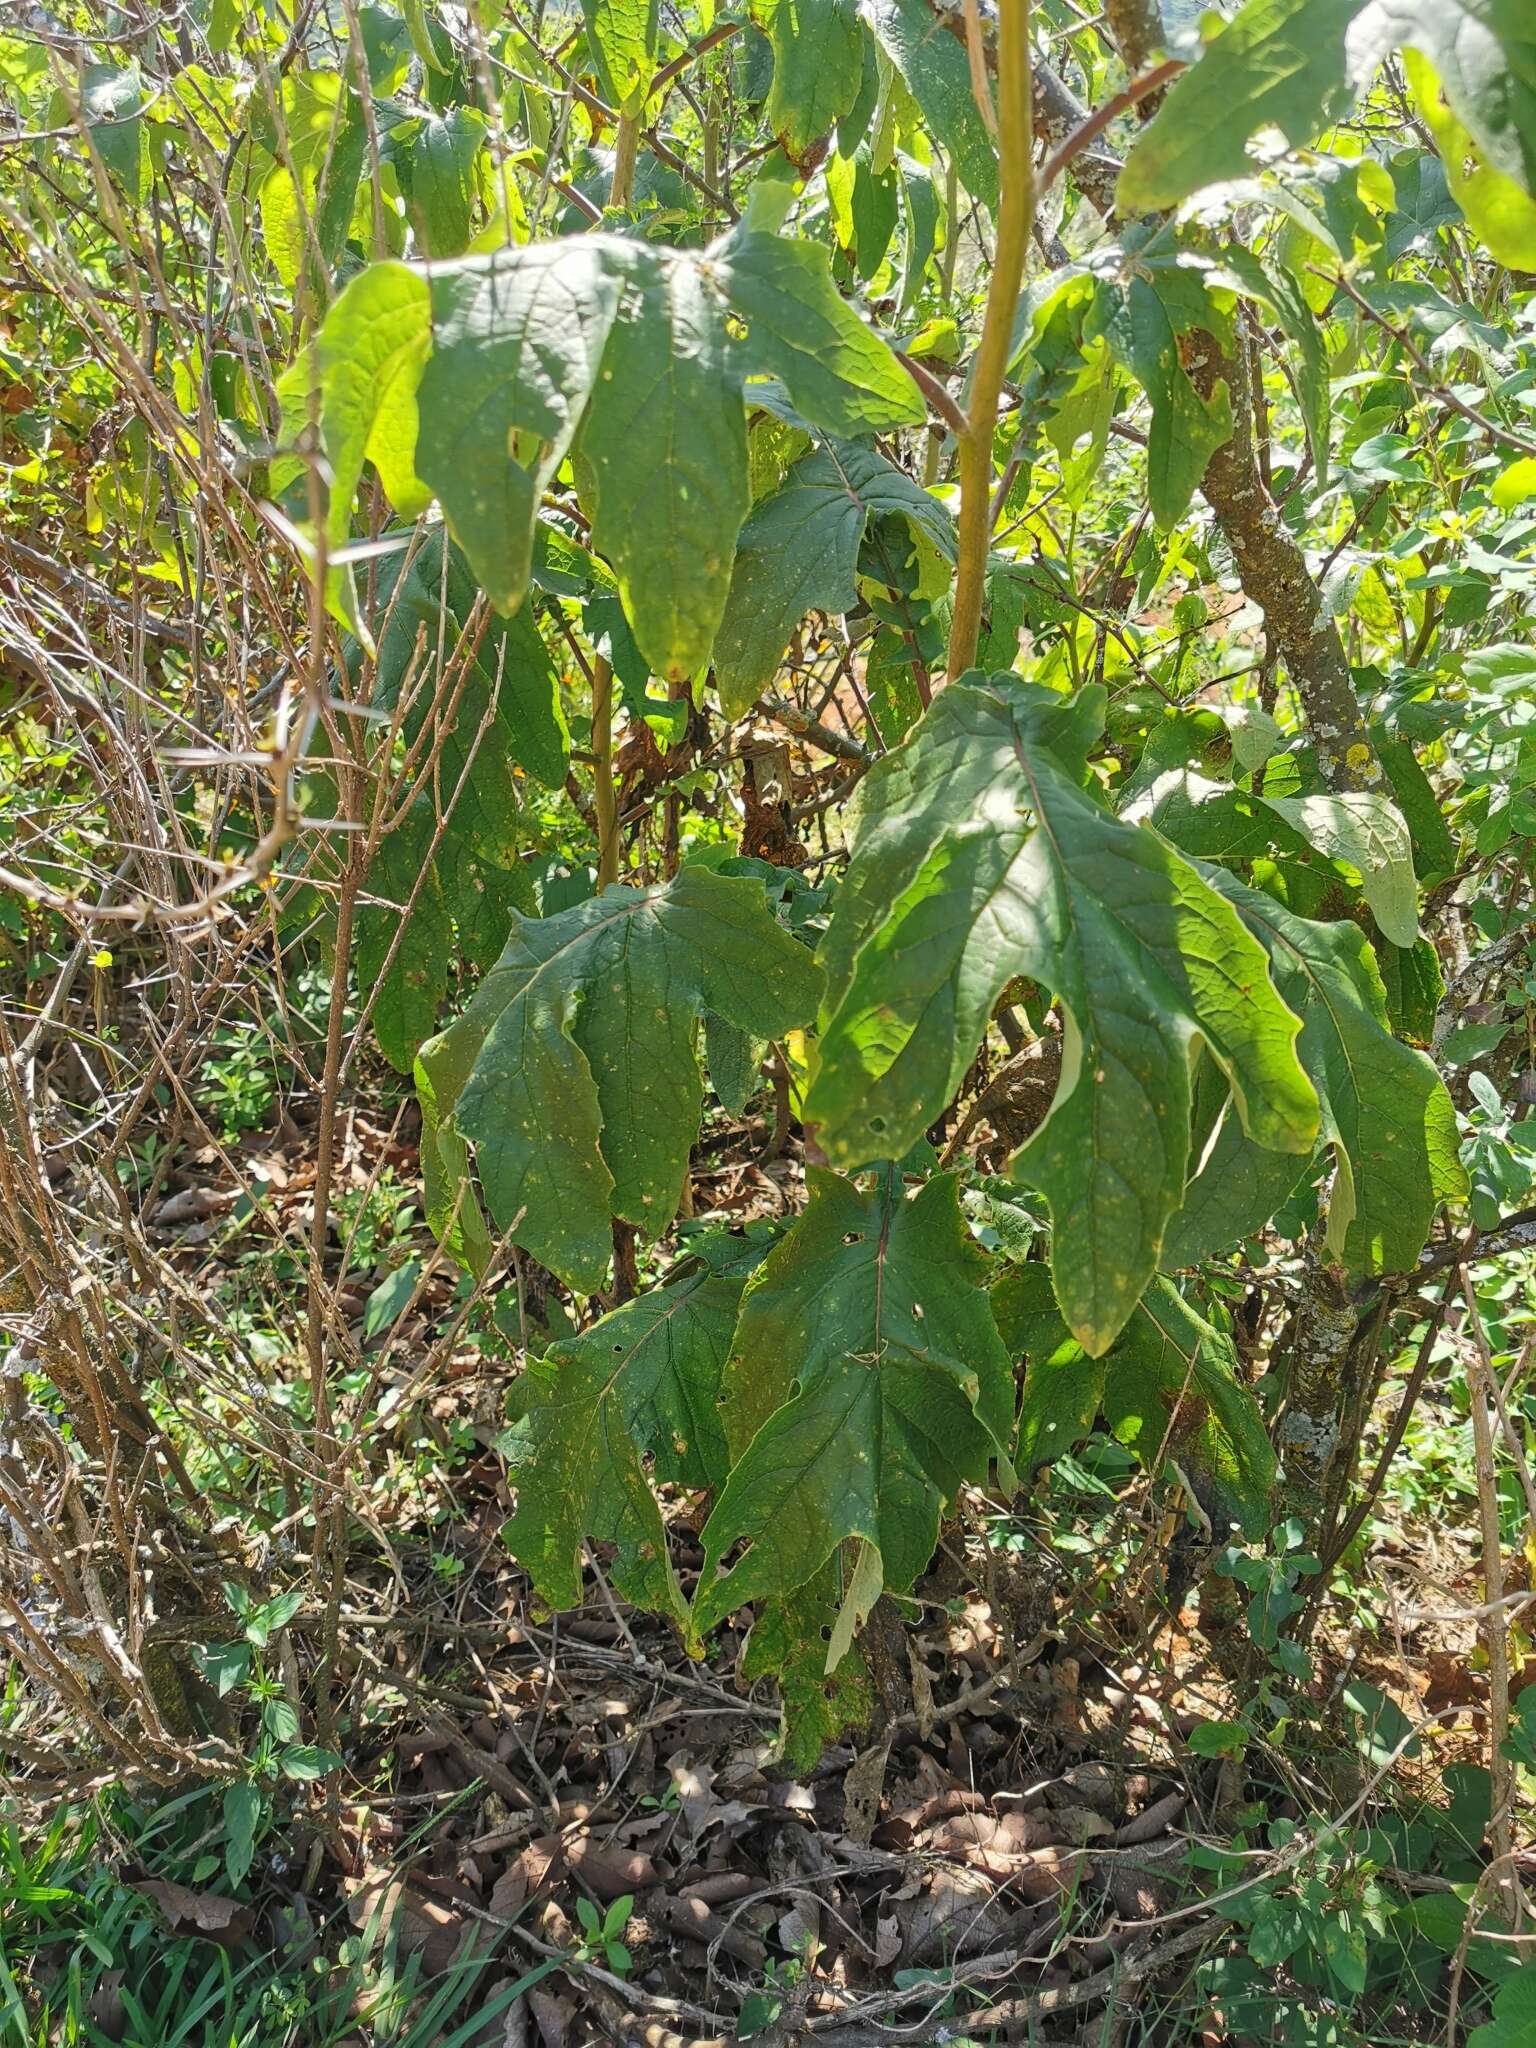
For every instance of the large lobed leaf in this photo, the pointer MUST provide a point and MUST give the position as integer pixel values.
(978, 856)
(642, 1385)
(799, 552)
(1170, 1389)
(471, 384)
(1385, 1111)
(574, 1070)
(867, 1382)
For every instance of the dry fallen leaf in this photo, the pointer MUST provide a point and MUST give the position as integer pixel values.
(420, 1925)
(217, 1919)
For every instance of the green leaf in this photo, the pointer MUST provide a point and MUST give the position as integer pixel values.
(1174, 1392)
(1485, 54)
(112, 103)
(502, 708)
(1383, 1732)
(1385, 1111)
(837, 372)
(389, 1299)
(1218, 1739)
(734, 1064)
(1063, 1386)
(922, 227)
(641, 1383)
(866, 1384)
(1143, 330)
(1499, 207)
(1278, 63)
(436, 158)
(666, 439)
(1515, 485)
(1170, 1388)
(517, 339)
(1275, 288)
(799, 552)
(1434, 844)
(574, 1068)
(304, 1763)
(1365, 830)
(451, 1206)
(1239, 1185)
(411, 986)
(308, 195)
(759, 2010)
(818, 62)
(242, 1814)
(787, 1644)
(414, 15)
(425, 604)
(367, 361)
(934, 68)
(225, 1665)
(978, 857)
(621, 35)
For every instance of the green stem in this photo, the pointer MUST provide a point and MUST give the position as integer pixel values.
(1016, 198)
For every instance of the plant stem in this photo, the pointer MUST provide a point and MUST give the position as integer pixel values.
(1481, 1386)
(626, 149)
(604, 802)
(1015, 210)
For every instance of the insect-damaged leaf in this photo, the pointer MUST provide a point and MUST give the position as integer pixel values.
(977, 857)
(621, 35)
(1169, 1387)
(641, 1384)
(574, 1068)
(517, 339)
(866, 1383)
(1385, 1111)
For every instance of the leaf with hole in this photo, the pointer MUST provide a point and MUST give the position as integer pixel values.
(867, 1382)
(631, 1403)
(574, 1069)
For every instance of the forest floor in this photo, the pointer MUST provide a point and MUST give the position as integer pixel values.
(1069, 1813)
